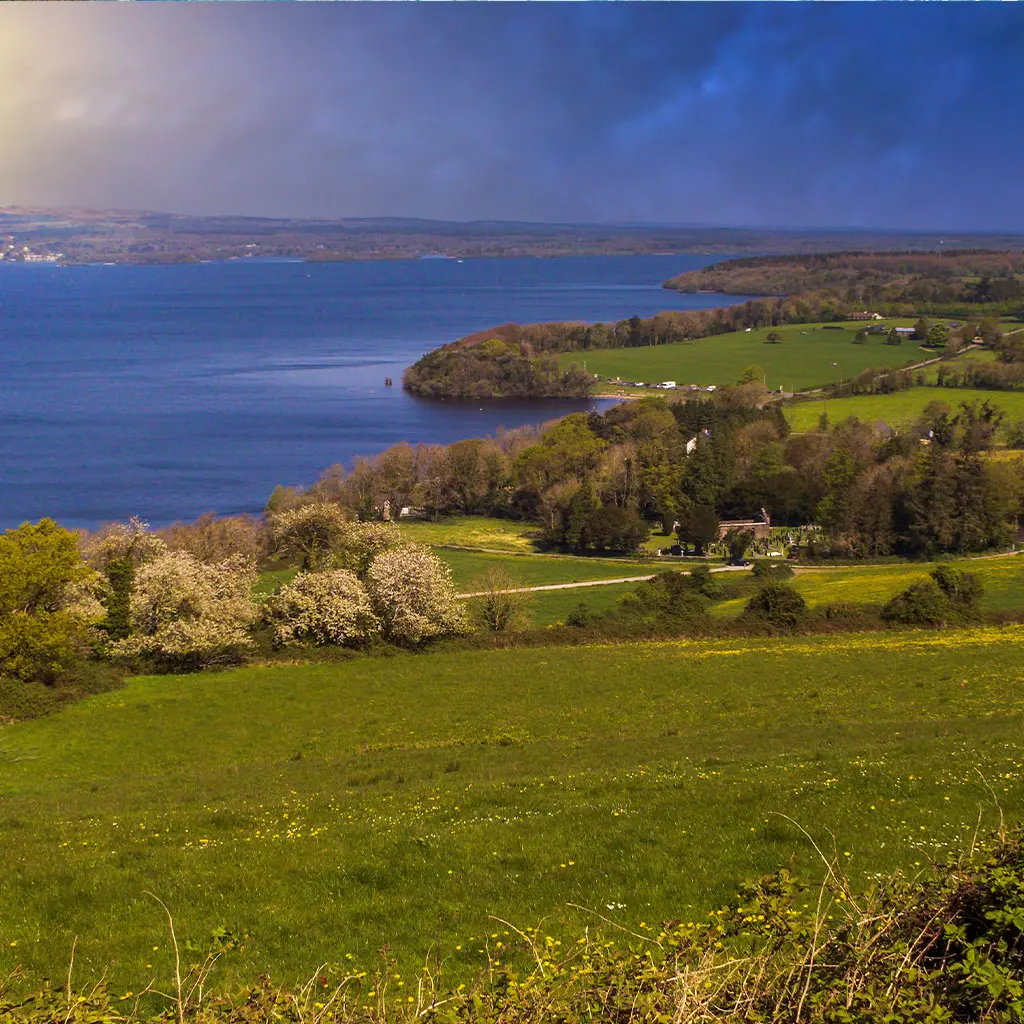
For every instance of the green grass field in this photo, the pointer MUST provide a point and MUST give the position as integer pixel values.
(481, 532)
(472, 544)
(972, 357)
(901, 407)
(808, 356)
(547, 608)
(1002, 578)
(319, 812)
(539, 570)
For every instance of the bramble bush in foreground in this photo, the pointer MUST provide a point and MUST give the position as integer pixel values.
(945, 946)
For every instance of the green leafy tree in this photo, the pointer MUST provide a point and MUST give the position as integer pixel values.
(753, 374)
(989, 330)
(778, 604)
(47, 602)
(737, 541)
(699, 527)
(938, 335)
(894, 337)
(615, 528)
(921, 329)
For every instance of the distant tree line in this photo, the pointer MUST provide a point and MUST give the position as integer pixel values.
(963, 282)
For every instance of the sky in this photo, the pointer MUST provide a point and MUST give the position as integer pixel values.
(834, 115)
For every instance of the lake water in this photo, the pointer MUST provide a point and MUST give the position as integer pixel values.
(170, 391)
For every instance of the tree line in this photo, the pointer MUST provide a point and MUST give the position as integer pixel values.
(953, 282)
(595, 482)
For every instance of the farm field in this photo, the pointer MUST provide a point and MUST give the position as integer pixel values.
(517, 556)
(553, 606)
(539, 570)
(1002, 578)
(316, 813)
(481, 532)
(971, 357)
(810, 355)
(899, 407)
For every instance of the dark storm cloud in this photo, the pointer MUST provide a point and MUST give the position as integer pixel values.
(756, 114)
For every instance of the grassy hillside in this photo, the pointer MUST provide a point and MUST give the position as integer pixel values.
(809, 355)
(320, 812)
(898, 408)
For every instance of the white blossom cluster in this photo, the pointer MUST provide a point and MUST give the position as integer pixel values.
(413, 594)
(330, 607)
(122, 540)
(184, 609)
(358, 544)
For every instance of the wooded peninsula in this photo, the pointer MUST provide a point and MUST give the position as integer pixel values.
(514, 361)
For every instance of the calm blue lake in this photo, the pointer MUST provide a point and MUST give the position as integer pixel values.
(167, 392)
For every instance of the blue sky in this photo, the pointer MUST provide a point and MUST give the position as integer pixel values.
(872, 115)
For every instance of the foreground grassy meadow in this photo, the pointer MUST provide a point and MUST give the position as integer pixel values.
(320, 812)
(809, 355)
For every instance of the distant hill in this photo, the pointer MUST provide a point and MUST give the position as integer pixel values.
(81, 235)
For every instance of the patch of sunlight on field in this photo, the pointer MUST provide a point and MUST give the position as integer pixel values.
(1002, 578)
(898, 409)
(809, 355)
(472, 532)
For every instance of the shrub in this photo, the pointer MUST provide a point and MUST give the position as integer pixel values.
(948, 596)
(501, 606)
(963, 589)
(581, 616)
(702, 580)
(766, 569)
(921, 604)
(321, 536)
(358, 544)
(116, 550)
(777, 604)
(48, 601)
(187, 613)
(413, 594)
(41, 647)
(668, 596)
(329, 607)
